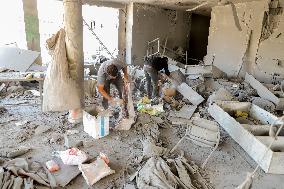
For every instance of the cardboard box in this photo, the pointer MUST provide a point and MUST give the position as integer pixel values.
(96, 122)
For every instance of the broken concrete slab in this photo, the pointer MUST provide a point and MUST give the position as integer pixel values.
(263, 92)
(66, 173)
(179, 121)
(185, 112)
(18, 152)
(151, 150)
(17, 59)
(265, 157)
(264, 104)
(190, 94)
(177, 77)
(278, 145)
(257, 130)
(221, 94)
(201, 70)
(72, 141)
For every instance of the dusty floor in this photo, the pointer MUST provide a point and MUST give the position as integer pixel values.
(226, 169)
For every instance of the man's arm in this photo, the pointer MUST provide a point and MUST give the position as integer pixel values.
(103, 92)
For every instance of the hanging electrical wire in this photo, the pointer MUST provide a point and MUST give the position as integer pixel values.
(96, 36)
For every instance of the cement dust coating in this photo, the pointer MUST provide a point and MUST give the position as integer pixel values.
(226, 169)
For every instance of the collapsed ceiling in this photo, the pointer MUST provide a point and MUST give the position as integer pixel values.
(172, 4)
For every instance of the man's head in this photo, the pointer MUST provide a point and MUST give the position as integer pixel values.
(165, 59)
(112, 71)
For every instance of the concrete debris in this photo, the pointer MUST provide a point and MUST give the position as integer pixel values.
(185, 112)
(129, 186)
(18, 152)
(263, 92)
(190, 94)
(42, 129)
(55, 137)
(2, 86)
(199, 70)
(264, 104)
(257, 130)
(151, 150)
(72, 141)
(177, 77)
(21, 123)
(15, 88)
(35, 92)
(244, 134)
(2, 110)
(221, 94)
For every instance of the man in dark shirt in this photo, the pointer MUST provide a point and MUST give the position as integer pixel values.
(151, 68)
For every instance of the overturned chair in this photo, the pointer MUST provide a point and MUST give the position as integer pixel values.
(202, 132)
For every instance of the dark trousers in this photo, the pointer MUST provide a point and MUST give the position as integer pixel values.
(152, 81)
(118, 83)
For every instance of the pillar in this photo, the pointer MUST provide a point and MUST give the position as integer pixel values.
(32, 26)
(73, 23)
(129, 24)
(122, 35)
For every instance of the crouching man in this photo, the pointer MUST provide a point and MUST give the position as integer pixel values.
(152, 66)
(109, 73)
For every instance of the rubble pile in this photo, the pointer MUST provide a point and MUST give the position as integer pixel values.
(155, 162)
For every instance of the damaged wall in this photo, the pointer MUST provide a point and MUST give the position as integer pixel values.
(270, 58)
(247, 39)
(234, 35)
(152, 22)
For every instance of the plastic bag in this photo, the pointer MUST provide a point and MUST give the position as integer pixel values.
(52, 166)
(73, 156)
(96, 170)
